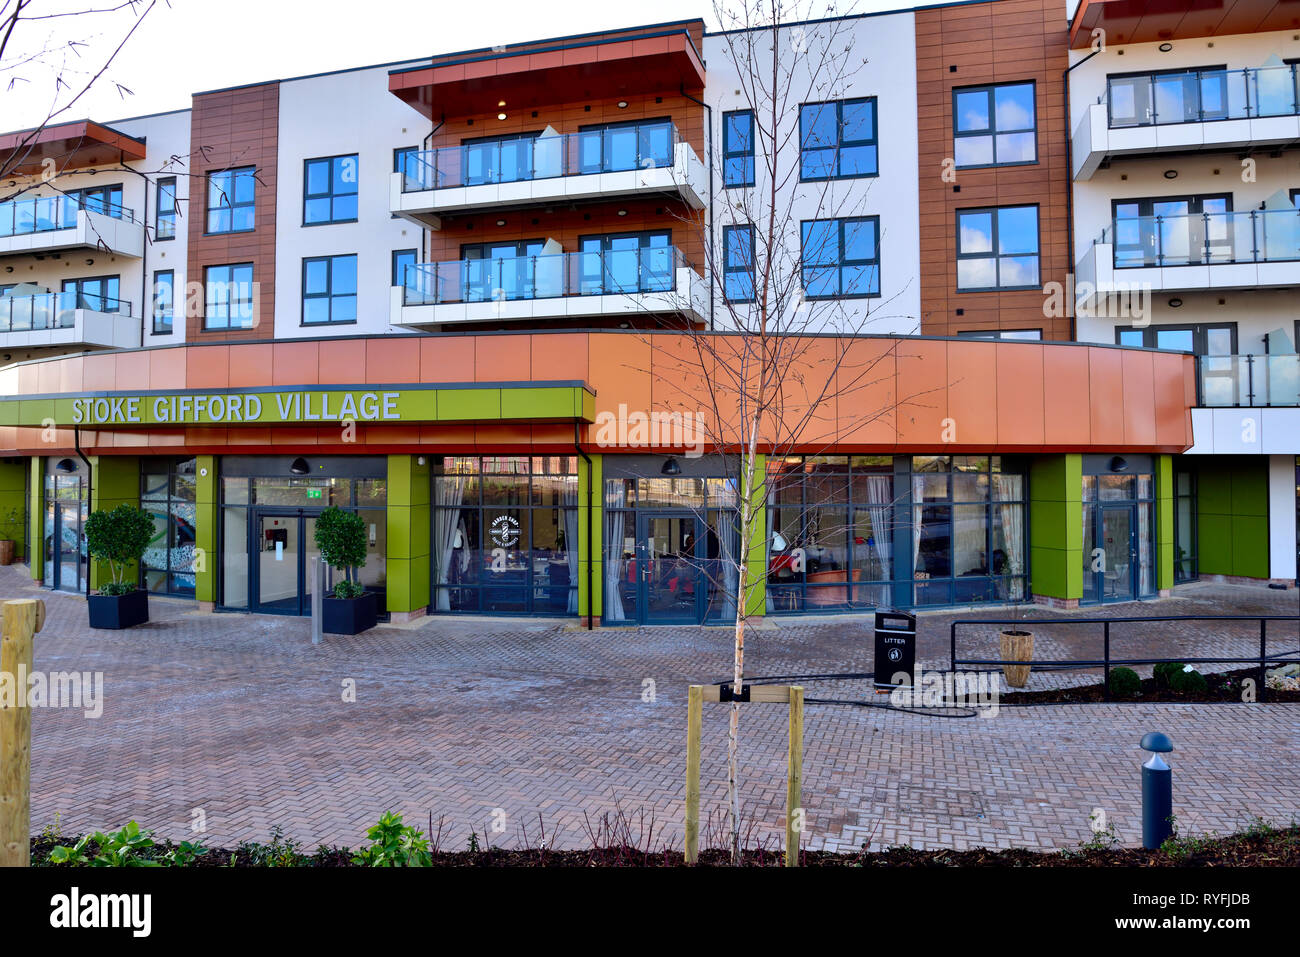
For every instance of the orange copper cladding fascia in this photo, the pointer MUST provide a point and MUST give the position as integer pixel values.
(78, 145)
(890, 395)
(1152, 21)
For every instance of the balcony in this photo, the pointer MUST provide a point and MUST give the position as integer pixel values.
(647, 159)
(613, 283)
(52, 223)
(1248, 381)
(1204, 251)
(1191, 110)
(62, 320)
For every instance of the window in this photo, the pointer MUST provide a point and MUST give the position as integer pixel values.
(230, 200)
(994, 126)
(164, 223)
(406, 160)
(105, 200)
(610, 147)
(626, 263)
(837, 140)
(1174, 230)
(1202, 339)
(228, 297)
(167, 494)
(99, 294)
(997, 248)
(329, 290)
(402, 259)
(738, 148)
(841, 258)
(330, 190)
(1031, 335)
(164, 301)
(738, 242)
(403, 157)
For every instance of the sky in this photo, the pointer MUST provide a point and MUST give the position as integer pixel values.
(189, 46)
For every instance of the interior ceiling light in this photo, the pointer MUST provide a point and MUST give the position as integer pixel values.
(622, 104)
(1166, 47)
(1171, 174)
(501, 116)
(501, 102)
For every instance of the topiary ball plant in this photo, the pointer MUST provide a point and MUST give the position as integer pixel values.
(1188, 681)
(341, 538)
(118, 537)
(1124, 682)
(1164, 672)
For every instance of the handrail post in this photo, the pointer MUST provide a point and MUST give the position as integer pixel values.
(1250, 381)
(1105, 678)
(952, 647)
(1263, 652)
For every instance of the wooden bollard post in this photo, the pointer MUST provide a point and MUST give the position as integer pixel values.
(22, 619)
(694, 721)
(794, 778)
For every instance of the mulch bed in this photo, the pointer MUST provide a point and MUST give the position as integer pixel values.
(1224, 686)
(1261, 847)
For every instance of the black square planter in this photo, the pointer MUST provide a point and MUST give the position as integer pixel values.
(350, 616)
(119, 611)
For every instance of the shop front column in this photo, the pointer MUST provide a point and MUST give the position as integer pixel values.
(1056, 529)
(756, 563)
(206, 515)
(36, 518)
(409, 560)
(1164, 525)
(593, 603)
(116, 481)
(13, 505)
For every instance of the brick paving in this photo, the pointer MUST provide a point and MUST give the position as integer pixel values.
(242, 718)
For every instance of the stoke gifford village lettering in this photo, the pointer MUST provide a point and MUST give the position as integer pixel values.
(237, 407)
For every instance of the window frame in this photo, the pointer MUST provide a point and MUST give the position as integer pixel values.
(230, 204)
(398, 278)
(989, 89)
(728, 269)
(329, 295)
(729, 154)
(168, 184)
(840, 221)
(153, 303)
(232, 283)
(1007, 334)
(840, 144)
(1199, 330)
(332, 195)
(993, 253)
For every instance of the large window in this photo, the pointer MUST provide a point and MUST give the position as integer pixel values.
(1185, 538)
(98, 294)
(738, 242)
(997, 248)
(505, 535)
(994, 126)
(165, 209)
(228, 296)
(164, 301)
(231, 200)
(329, 290)
(967, 530)
(330, 190)
(167, 495)
(841, 258)
(738, 148)
(1202, 338)
(838, 140)
(403, 259)
(1118, 536)
(1177, 230)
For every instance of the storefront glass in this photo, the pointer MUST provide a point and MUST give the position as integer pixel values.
(167, 494)
(1118, 537)
(67, 497)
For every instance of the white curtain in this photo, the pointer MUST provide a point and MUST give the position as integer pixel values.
(880, 493)
(571, 551)
(1013, 532)
(1144, 549)
(729, 556)
(614, 566)
(450, 490)
(918, 497)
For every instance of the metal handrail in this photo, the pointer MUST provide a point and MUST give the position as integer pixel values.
(53, 310)
(522, 159)
(1210, 95)
(1195, 239)
(43, 214)
(1248, 381)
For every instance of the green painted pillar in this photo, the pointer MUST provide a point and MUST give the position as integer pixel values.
(409, 559)
(756, 561)
(13, 506)
(1056, 526)
(1164, 522)
(596, 518)
(36, 518)
(206, 517)
(116, 482)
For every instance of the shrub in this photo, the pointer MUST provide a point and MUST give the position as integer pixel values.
(1164, 671)
(1189, 681)
(1124, 682)
(128, 847)
(118, 538)
(394, 844)
(341, 538)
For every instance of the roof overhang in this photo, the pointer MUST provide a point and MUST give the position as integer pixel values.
(78, 145)
(1153, 21)
(647, 63)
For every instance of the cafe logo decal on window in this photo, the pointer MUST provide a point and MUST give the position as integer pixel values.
(505, 531)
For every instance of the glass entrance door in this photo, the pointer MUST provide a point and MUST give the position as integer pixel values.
(65, 558)
(671, 585)
(1119, 553)
(283, 547)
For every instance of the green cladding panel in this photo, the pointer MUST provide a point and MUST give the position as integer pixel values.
(592, 603)
(1056, 526)
(13, 506)
(36, 516)
(409, 561)
(206, 514)
(1232, 515)
(116, 481)
(1164, 522)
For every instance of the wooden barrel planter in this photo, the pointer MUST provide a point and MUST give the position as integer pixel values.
(1016, 646)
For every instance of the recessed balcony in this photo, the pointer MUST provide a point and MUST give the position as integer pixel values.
(1189, 110)
(67, 320)
(647, 159)
(623, 284)
(1257, 248)
(53, 223)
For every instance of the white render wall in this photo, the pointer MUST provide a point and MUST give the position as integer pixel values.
(887, 44)
(332, 115)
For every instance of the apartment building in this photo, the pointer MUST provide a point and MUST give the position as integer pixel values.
(424, 290)
(1187, 237)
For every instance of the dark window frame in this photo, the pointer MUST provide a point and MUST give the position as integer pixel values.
(993, 132)
(398, 278)
(227, 201)
(231, 283)
(331, 192)
(1198, 330)
(329, 295)
(993, 253)
(840, 143)
(842, 262)
(728, 269)
(169, 500)
(165, 186)
(157, 326)
(729, 154)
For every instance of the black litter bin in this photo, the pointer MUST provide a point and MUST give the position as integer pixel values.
(895, 649)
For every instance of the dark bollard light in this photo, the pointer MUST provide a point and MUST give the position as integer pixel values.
(1157, 791)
